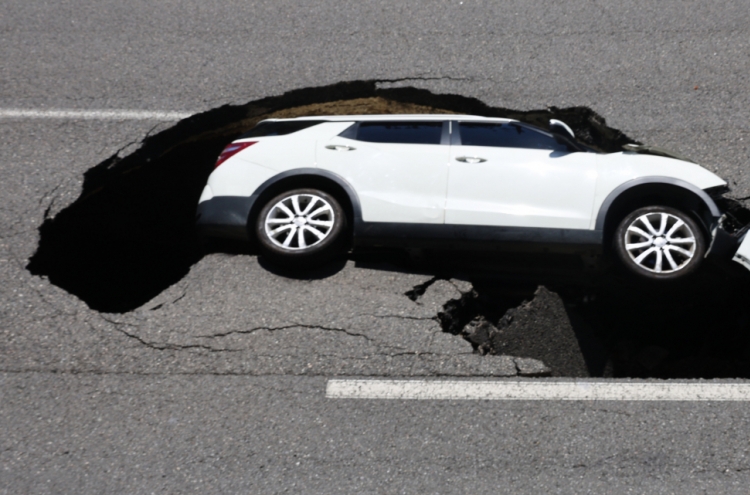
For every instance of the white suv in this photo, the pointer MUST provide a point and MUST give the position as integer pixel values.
(305, 187)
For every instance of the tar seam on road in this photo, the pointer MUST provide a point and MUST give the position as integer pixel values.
(14, 113)
(537, 390)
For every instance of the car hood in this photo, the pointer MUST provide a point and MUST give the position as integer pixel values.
(653, 150)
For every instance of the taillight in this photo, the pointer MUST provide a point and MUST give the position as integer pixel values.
(231, 150)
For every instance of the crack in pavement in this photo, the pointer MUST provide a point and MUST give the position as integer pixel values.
(160, 305)
(427, 353)
(156, 345)
(285, 327)
(47, 195)
(423, 78)
(402, 317)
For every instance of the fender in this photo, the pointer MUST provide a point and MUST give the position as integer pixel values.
(348, 189)
(604, 208)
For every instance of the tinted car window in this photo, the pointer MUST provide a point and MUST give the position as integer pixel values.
(400, 132)
(279, 128)
(508, 136)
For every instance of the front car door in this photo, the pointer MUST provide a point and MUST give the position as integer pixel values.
(508, 174)
(399, 169)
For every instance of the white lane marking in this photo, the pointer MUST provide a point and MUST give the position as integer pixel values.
(536, 390)
(11, 113)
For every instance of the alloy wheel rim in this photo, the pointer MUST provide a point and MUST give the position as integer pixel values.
(299, 221)
(660, 242)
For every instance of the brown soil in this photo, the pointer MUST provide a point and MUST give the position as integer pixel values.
(375, 105)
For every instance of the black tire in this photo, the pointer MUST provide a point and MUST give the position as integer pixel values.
(314, 210)
(668, 245)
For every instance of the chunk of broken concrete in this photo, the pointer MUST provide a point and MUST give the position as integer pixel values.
(531, 367)
(540, 329)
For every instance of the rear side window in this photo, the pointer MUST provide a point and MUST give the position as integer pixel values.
(400, 132)
(508, 136)
(279, 128)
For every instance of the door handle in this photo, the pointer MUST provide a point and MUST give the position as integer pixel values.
(340, 147)
(471, 159)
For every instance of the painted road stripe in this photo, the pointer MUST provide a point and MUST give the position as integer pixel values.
(536, 390)
(14, 113)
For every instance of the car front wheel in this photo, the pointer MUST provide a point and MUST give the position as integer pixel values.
(660, 243)
(301, 226)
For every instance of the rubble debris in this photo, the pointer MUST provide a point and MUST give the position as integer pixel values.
(538, 329)
(531, 367)
(418, 290)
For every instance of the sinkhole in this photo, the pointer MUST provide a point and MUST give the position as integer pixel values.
(130, 235)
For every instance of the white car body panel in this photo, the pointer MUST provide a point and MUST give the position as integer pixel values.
(616, 169)
(295, 150)
(414, 183)
(519, 187)
(425, 184)
(244, 172)
(395, 182)
(206, 194)
(238, 178)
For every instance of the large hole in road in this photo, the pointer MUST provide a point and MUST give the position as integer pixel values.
(130, 235)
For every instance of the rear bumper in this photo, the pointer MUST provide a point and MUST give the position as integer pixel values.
(224, 216)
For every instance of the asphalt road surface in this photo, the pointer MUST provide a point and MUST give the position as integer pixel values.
(216, 383)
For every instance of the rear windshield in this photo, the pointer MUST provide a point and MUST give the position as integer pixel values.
(400, 132)
(279, 128)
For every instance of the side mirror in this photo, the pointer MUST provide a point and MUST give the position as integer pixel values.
(560, 127)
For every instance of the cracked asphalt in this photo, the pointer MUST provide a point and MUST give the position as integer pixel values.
(216, 385)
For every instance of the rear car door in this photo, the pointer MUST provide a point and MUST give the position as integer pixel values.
(507, 174)
(399, 169)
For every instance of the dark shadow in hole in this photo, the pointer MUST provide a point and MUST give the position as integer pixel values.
(699, 329)
(326, 270)
(596, 357)
(226, 246)
(130, 234)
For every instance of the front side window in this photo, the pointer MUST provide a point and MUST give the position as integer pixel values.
(508, 135)
(400, 132)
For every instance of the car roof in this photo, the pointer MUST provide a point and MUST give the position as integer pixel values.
(392, 117)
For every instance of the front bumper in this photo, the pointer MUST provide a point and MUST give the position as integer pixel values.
(734, 246)
(742, 255)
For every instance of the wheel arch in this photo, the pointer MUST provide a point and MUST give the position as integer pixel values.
(307, 178)
(666, 191)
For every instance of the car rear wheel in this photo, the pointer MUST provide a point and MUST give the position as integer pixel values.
(301, 226)
(660, 243)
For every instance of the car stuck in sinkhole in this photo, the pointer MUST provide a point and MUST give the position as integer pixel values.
(306, 187)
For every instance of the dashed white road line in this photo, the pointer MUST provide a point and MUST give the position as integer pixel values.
(15, 113)
(577, 390)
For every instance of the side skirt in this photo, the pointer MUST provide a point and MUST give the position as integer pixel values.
(441, 236)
